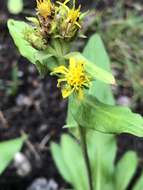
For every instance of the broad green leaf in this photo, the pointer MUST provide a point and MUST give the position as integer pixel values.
(16, 29)
(75, 172)
(15, 6)
(139, 184)
(42, 59)
(102, 144)
(7, 151)
(71, 152)
(102, 151)
(96, 53)
(124, 171)
(69, 160)
(58, 158)
(105, 118)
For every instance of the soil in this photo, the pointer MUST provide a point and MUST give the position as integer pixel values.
(37, 109)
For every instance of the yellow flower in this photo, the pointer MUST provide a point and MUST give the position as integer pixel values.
(44, 7)
(73, 78)
(72, 14)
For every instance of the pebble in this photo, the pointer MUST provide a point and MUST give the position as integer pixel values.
(23, 100)
(124, 101)
(43, 184)
(22, 164)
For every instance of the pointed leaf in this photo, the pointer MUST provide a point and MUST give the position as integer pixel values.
(96, 53)
(125, 169)
(58, 158)
(99, 145)
(139, 183)
(69, 160)
(7, 151)
(74, 161)
(108, 119)
(42, 59)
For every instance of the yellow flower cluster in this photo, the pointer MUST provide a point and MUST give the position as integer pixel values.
(57, 19)
(72, 79)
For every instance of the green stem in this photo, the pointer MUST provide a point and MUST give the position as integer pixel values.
(82, 133)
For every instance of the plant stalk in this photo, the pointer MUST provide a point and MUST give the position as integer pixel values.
(82, 133)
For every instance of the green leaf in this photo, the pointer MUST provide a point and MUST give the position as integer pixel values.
(125, 169)
(15, 6)
(102, 152)
(16, 29)
(7, 151)
(96, 53)
(58, 158)
(93, 114)
(42, 59)
(69, 159)
(139, 184)
(71, 151)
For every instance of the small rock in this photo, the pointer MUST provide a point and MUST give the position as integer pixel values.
(43, 184)
(52, 185)
(20, 73)
(22, 164)
(124, 101)
(23, 100)
(31, 69)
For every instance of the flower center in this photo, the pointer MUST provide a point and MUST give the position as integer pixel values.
(76, 76)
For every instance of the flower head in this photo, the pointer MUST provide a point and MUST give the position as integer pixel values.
(73, 16)
(72, 79)
(70, 19)
(44, 7)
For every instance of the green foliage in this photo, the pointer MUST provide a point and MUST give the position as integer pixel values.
(70, 162)
(125, 170)
(105, 175)
(95, 52)
(102, 166)
(74, 171)
(90, 113)
(7, 151)
(101, 147)
(121, 29)
(42, 59)
(15, 6)
(13, 87)
(108, 119)
(139, 183)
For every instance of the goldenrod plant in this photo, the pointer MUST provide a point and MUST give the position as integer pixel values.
(46, 41)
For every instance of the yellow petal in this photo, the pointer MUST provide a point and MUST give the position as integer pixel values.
(78, 24)
(67, 91)
(72, 63)
(60, 70)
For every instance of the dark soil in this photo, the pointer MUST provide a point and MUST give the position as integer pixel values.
(37, 109)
